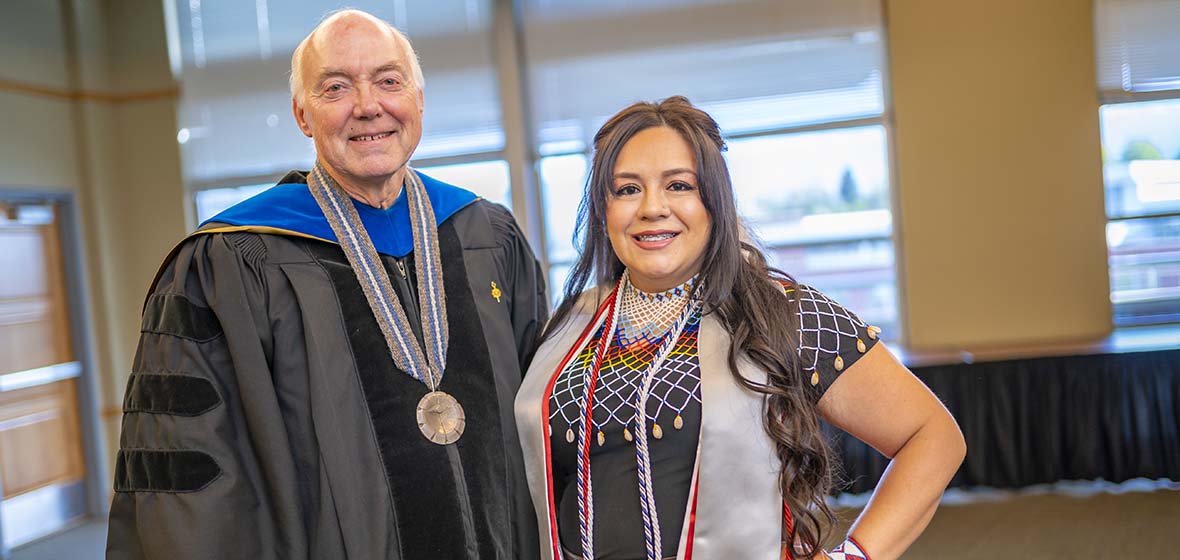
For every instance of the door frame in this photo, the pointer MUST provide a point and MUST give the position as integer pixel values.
(96, 482)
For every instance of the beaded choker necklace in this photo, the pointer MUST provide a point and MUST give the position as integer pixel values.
(647, 316)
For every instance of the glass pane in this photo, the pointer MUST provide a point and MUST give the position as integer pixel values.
(754, 64)
(489, 179)
(563, 180)
(813, 187)
(859, 275)
(212, 202)
(557, 276)
(819, 203)
(1141, 158)
(1145, 270)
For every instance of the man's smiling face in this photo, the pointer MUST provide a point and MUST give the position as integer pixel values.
(360, 103)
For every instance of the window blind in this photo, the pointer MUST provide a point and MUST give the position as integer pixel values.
(753, 64)
(1137, 44)
(235, 117)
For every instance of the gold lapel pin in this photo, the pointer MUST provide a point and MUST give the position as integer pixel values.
(496, 293)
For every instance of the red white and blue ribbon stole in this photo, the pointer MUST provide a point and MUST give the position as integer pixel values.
(788, 519)
(585, 490)
(849, 550)
(688, 527)
(788, 527)
(604, 313)
(690, 518)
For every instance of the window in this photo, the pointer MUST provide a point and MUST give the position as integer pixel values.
(488, 179)
(563, 179)
(1141, 153)
(819, 203)
(211, 202)
(235, 125)
(1139, 82)
(797, 88)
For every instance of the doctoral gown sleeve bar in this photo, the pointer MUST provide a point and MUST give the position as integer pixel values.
(196, 469)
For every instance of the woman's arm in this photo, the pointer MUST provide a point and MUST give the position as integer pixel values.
(881, 403)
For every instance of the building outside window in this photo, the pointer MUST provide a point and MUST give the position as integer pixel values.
(1139, 85)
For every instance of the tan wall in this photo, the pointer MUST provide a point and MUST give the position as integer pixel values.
(36, 148)
(88, 103)
(999, 172)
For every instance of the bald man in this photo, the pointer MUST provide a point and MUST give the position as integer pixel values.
(327, 370)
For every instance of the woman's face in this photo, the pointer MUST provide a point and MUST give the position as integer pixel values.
(658, 226)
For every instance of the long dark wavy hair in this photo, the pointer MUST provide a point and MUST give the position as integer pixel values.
(737, 286)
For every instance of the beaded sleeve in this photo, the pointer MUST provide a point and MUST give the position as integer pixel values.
(831, 338)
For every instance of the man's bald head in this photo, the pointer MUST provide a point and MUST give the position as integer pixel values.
(342, 19)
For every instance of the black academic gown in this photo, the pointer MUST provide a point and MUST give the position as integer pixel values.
(265, 418)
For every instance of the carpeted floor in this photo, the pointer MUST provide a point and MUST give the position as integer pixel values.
(1074, 521)
(86, 541)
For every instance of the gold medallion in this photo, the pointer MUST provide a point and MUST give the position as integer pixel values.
(441, 418)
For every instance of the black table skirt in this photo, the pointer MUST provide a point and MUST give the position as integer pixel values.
(1032, 421)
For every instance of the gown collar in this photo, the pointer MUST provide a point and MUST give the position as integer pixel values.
(289, 209)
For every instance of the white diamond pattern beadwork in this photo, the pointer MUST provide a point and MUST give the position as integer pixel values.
(643, 318)
(825, 327)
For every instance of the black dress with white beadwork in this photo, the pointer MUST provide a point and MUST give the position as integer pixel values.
(827, 332)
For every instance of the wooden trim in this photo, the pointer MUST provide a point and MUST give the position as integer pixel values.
(55, 275)
(13, 86)
(1128, 339)
(112, 411)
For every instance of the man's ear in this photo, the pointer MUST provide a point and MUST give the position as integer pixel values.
(421, 102)
(299, 118)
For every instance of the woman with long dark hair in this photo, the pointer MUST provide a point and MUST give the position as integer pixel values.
(673, 408)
